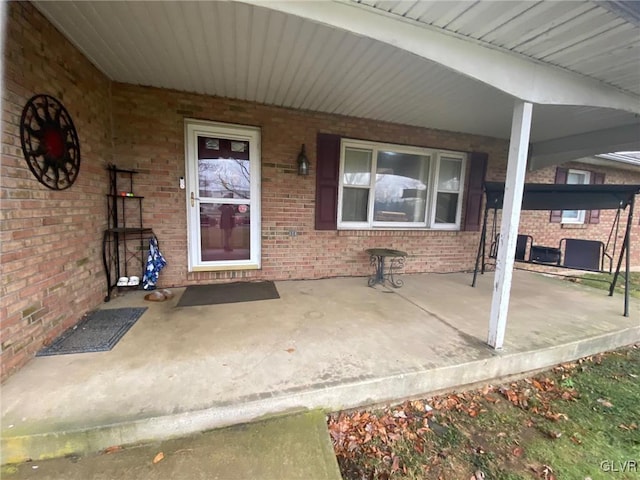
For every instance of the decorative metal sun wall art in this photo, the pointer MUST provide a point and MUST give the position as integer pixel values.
(50, 142)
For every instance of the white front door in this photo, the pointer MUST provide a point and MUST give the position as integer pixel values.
(223, 195)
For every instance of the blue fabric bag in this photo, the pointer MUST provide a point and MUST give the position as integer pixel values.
(155, 263)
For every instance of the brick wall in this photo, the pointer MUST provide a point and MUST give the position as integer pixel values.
(149, 136)
(50, 240)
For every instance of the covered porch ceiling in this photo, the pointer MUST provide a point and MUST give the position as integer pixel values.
(452, 65)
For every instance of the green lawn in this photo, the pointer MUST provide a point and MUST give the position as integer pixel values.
(603, 280)
(576, 421)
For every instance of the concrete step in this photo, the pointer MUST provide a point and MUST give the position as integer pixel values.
(289, 447)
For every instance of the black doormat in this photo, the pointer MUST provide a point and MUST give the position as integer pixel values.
(227, 293)
(98, 332)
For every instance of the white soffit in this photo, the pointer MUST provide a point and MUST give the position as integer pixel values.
(600, 39)
(259, 54)
(518, 75)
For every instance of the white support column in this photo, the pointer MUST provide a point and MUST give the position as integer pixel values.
(513, 188)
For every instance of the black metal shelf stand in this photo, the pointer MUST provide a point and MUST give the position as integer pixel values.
(125, 239)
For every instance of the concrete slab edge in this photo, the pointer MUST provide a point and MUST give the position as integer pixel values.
(17, 449)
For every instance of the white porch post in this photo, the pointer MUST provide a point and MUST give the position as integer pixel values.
(513, 188)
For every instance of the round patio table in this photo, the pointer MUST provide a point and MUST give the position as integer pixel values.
(387, 264)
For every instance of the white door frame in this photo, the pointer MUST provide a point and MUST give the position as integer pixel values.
(193, 129)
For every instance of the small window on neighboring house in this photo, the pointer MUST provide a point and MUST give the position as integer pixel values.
(576, 177)
(383, 185)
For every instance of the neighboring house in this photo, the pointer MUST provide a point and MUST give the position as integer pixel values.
(398, 139)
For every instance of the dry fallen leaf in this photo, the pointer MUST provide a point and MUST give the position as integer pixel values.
(547, 473)
(396, 464)
(517, 451)
(112, 449)
(630, 427)
(605, 403)
(158, 458)
(290, 350)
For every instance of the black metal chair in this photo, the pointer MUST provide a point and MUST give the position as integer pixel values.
(522, 243)
(584, 254)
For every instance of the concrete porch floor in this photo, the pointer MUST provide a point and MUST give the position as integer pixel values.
(329, 344)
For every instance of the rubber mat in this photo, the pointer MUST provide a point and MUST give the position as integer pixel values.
(98, 332)
(228, 293)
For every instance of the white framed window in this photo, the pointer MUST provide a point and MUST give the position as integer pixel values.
(576, 177)
(397, 186)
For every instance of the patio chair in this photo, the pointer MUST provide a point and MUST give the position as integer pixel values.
(584, 254)
(522, 243)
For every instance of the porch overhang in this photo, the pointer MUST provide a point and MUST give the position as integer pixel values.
(521, 78)
(450, 66)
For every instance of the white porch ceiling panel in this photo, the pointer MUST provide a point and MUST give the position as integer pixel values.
(254, 53)
(581, 36)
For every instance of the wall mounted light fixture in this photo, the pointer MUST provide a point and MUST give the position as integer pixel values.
(303, 162)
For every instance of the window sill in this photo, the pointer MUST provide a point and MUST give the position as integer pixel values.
(394, 232)
(574, 226)
(403, 229)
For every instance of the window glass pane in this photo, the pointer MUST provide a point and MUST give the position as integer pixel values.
(449, 174)
(354, 204)
(224, 232)
(575, 216)
(446, 207)
(357, 167)
(575, 178)
(401, 187)
(223, 168)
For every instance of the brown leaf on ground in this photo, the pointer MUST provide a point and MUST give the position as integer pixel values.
(395, 466)
(290, 350)
(158, 458)
(522, 400)
(547, 473)
(555, 416)
(554, 434)
(569, 395)
(509, 395)
(517, 451)
(112, 449)
(605, 403)
(630, 427)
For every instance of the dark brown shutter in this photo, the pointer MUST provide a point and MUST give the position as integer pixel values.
(327, 170)
(596, 179)
(475, 181)
(561, 177)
